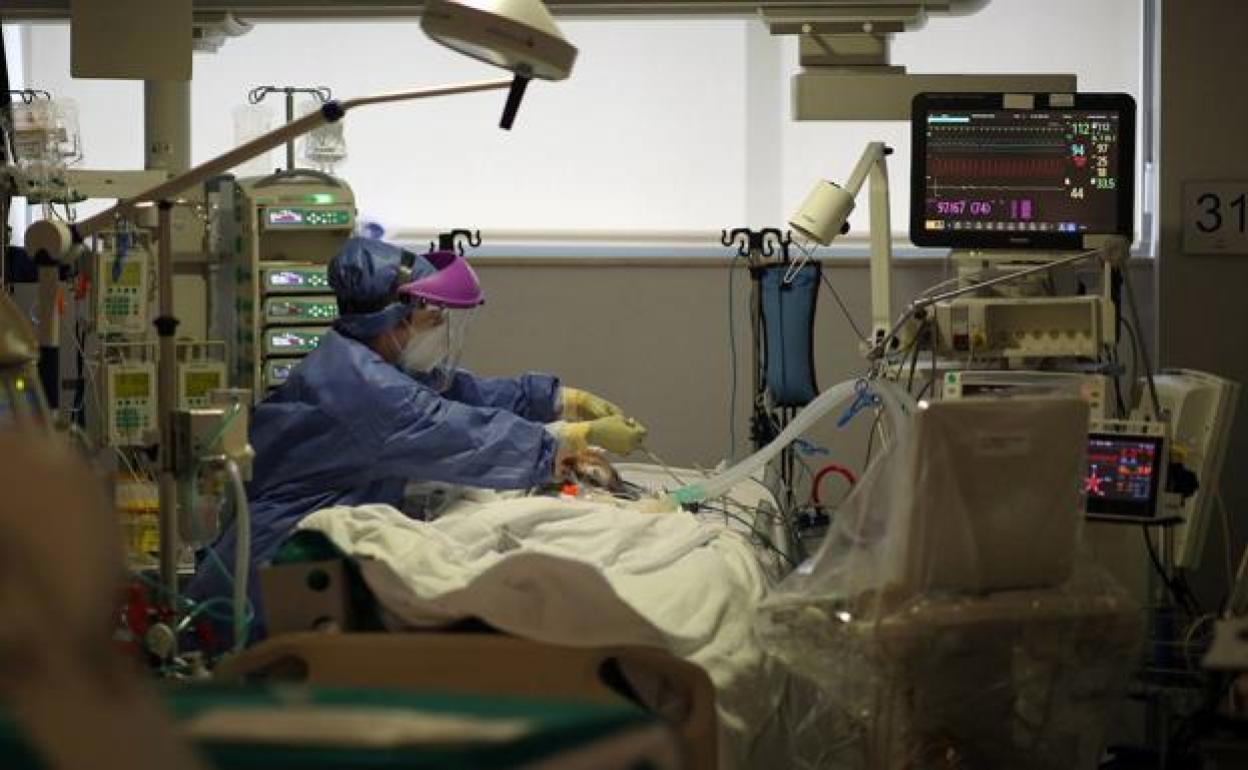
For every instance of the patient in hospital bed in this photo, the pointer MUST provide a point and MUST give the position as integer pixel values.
(589, 565)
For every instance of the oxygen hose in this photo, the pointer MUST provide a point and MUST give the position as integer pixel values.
(242, 554)
(897, 405)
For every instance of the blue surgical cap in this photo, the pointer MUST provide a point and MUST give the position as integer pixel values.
(365, 274)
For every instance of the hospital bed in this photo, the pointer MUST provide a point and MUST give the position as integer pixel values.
(70, 699)
(565, 630)
(498, 666)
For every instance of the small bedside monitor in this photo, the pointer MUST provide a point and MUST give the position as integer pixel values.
(1125, 474)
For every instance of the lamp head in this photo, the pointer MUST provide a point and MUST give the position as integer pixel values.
(517, 35)
(824, 214)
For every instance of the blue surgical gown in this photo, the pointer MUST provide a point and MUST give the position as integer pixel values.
(349, 428)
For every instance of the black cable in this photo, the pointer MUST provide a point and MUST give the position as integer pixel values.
(914, 359)
(766, 541)
(1135, 351)
(6, 101)
(1116, 279)
(841, 305)
(80, 381)
(870, 442)
(1120, 404)
(789, 524)
(1181, 596)
(931, 375)
(1180, 579)
(732, 348)
(790, 460)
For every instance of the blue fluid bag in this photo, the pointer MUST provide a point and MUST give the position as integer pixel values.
(788, 320)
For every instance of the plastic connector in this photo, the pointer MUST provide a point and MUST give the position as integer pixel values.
(689, 495)
(1114, 249)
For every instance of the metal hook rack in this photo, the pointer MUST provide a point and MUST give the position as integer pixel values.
(762, 248)
(259, 93)
(29, 95)
(454, 240)
(755, 245)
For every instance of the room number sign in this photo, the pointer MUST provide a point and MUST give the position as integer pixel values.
(1215, 218)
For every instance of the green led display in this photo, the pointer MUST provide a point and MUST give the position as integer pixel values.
(293, 341)
(292, 310)
(300, 216)
(296, 279)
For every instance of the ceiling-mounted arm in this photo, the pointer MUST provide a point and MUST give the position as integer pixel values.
(847, 72)
(22, 10)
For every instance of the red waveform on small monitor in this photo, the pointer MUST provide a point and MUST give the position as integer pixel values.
(996, 168)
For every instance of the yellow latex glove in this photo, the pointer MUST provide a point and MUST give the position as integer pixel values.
(615, 434)
(581, 405)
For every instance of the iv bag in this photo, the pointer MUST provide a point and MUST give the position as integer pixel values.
(251, 121)
(45, 140)
(323, 147)
(46, 132)
(67, 137)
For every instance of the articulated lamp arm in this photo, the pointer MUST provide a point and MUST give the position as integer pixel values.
(825, 214)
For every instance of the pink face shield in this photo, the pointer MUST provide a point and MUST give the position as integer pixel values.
(452, 285)
(453, 288)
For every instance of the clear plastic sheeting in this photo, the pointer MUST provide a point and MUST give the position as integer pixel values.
(896, 403)
(949, 620)
(323, 147)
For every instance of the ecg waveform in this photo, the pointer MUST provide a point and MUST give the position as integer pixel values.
(998, 147)
(1019, 170)
(996, 168)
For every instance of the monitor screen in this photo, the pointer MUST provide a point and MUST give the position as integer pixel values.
(987, 173)
(132, 384)
(1124, 472)
(200, 383)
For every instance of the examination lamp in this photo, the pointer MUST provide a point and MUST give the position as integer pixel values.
(517, 35)
(824, 215)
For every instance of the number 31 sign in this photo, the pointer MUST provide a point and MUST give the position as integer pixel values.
(1215, 218)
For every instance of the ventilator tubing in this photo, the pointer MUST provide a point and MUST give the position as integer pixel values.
(898, 405)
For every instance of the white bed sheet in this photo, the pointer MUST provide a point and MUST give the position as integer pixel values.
(580, 573)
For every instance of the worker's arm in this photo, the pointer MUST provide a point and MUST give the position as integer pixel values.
(420, 434)
(532, 396)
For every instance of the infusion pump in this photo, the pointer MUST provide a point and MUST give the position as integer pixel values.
(1144, 468)
(1095, 389)
(278, 234)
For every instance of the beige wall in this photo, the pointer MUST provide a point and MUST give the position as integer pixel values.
(1203, 306)
(653, 335)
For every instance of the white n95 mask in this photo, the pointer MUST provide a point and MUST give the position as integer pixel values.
(432, 355)
(425, 351)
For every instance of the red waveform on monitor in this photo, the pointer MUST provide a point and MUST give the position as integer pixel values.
(995, 168)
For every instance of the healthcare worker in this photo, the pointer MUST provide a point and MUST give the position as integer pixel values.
(381, 403)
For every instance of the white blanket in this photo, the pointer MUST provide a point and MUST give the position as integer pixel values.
(578, 573)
